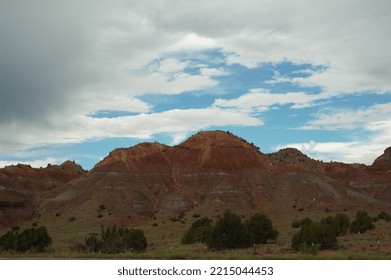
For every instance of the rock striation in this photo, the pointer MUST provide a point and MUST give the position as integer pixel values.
(212, 170)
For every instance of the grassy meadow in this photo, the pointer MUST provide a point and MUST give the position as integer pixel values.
(164, 232)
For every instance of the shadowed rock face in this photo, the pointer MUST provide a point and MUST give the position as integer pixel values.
(213, 168)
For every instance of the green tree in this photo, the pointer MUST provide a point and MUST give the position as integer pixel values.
(114, 240)
(199, 231)
(384, 216)
(230, 233)
(261, 228)
(92, 243)
(323, 234)
(32, 239)
(135, 240)
(361, 223)
(9, 241)
(342, 223)
(327, 236)
(307, 236)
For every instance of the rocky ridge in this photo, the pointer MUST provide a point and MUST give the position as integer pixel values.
(212, 170)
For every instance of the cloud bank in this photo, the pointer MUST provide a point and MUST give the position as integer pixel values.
(63, 62)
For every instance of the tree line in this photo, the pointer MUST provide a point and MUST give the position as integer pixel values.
(114, 240)
(229, 232)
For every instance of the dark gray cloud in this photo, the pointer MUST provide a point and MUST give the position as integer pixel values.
(43, 46)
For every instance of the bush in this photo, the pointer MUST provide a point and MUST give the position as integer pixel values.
(114, 240)
(342, 223)
(296, 224)
(307, 236)
(32, 239)
(362, 223)
(261, 228)
(199, 231)
(230, 233)
(9, 241)
(92, 243)
(322, 235)
(384, 216)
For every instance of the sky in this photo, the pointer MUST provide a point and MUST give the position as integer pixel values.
(81, 78)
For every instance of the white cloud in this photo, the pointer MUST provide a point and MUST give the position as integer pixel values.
(178, 138)
(66, 60)
(192, 42)
(336, 119)
(258, 100)
(213, 72)
(33, 163)
(170, 84)
(376, 137)
(80, 128)
(349, 152)
(352, 43)
(110, 102)
(172, 65)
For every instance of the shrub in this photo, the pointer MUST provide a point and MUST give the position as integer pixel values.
(199, 231)
(362, 223)
(230, 233)
(136, 241)
(9, 240)
(296, 224)
(114, 240)
(307, 236)
(384, 216)
(32, 239)
(92, 243)
(342, 223)
(321, 235)
(261, 228)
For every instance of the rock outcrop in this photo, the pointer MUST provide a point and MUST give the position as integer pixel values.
(212, 170)
(22, 188)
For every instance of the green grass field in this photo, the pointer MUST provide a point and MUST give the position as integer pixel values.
(164, 238)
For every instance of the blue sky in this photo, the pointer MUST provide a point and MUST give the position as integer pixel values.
(78, 80)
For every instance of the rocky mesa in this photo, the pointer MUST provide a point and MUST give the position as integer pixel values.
(212, 170)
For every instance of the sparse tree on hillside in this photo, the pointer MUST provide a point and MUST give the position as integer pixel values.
(114, 240)
(261, 228)
(362, 223)
(32, 239)
(199, 231)
(230, 233)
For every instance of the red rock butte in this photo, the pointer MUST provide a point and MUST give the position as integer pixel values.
(210, 170)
